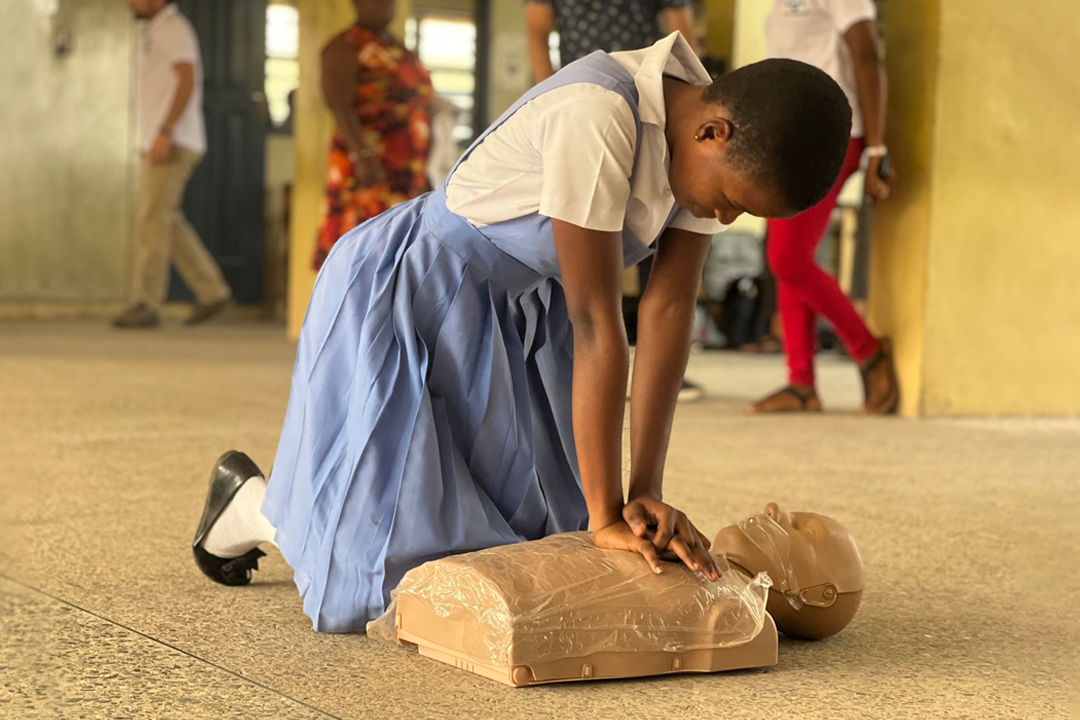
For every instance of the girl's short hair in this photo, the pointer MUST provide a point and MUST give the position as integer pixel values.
(792, 127)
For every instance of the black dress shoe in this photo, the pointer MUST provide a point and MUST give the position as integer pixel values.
(232, 470)
(202, 313)
(137, 317)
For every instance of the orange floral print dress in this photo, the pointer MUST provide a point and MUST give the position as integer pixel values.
(393, 93)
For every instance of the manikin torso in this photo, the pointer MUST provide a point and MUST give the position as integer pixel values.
(520, 610)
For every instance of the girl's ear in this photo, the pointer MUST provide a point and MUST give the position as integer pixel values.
(718, 128)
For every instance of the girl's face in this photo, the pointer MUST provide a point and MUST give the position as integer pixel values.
(705, 184)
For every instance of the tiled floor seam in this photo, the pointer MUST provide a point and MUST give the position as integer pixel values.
(180, 650)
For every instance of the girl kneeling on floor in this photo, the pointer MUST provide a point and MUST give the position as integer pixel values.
(461, 374)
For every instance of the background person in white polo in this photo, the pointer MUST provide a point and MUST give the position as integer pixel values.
(172, 141)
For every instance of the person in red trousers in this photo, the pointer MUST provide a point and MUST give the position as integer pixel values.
(840, 37)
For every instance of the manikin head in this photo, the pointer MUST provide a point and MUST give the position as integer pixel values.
(146, 9)
(814, 564)
(768, 139)
(375, 15)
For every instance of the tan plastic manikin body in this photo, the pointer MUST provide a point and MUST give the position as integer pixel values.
(561, 609)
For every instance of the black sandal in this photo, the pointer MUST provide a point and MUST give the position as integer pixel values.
(892, 398)
(231, 471)
(805, 399)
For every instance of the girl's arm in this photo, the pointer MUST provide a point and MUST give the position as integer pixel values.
(591, 266)
(665, 323)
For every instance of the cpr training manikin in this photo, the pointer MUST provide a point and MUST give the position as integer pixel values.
(560, 609)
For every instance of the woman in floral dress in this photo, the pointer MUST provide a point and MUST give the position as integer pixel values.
(380, 95)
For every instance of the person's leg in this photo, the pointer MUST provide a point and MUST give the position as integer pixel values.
(154, 232)
(193, 261)
(800, 342)
(791, 258)
(806, 290)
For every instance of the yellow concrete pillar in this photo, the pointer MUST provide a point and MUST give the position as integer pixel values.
(976, 256)
(718, 17)
(748, 42)
(901, 227)
(319, 21)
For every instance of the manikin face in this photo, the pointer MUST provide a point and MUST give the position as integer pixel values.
(813, 563)
(799, 550)
(704, 183)
(146, 9)
(374, 14)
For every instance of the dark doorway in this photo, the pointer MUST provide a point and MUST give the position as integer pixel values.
(224, 200)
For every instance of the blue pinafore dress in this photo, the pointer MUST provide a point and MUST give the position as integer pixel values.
(430, 408)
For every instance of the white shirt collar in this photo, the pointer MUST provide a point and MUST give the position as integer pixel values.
(672, 56)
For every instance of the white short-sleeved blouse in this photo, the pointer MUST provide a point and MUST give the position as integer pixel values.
(568, 154)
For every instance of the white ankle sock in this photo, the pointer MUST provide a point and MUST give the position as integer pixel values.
(242, 526)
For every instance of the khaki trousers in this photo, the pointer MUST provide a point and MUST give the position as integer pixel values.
(165, 234)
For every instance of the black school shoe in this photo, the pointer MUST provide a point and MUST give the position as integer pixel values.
(202, 313)
(137, 317)
(232, 470)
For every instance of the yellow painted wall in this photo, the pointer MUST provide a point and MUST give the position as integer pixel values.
(976, 255)
(902, 224)
(319, 21)
(748, 44)
(1003, 298)
(718, 19)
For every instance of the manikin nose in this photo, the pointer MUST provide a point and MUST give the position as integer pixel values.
(773, 510)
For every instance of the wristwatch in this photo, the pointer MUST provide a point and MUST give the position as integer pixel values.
(884, 169)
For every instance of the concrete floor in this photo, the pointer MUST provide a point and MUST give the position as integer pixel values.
(968, 528)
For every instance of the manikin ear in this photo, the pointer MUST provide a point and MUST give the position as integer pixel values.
(716, 128)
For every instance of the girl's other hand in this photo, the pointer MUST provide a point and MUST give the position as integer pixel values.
(667, 528)
(619, 536)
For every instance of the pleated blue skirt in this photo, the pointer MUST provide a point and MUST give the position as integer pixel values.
(430, 411)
